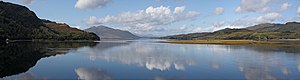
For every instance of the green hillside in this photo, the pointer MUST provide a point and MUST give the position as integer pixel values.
(290, 30)
(19, 23)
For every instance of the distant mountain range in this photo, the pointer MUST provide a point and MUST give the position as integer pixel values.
(19, 23)
(110, 33)
(290, 30)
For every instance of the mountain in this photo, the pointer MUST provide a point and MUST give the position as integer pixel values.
(110, 33)
(19, 23)
(288, 27)
(290, 30)
(264, 27)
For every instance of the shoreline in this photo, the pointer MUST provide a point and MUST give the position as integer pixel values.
(236, 42)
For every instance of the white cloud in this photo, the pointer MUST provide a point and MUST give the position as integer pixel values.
(158, 10)
(262, 6)
(266, 18)
(92, 21)
(27, 1)
(168, 0)
(224, 27)
(214, 28)
(241, 22)
(179, 9)
(91, 4)
(219, 11)
(298, 11)
(253, 5)
(238, 9)
(284, 7)
(146, 20)
(218, 23)
(202, 29)
(266, 10)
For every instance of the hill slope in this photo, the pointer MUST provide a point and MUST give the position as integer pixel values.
(19, 23)
(290, 30)
(110, 33)
(65, 32)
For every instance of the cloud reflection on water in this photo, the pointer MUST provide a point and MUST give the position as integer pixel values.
(264, 62)
(255, 62)
(92, 74)
(146, 55)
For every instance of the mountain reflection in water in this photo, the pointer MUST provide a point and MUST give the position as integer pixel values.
(149, 60)
(19, 57)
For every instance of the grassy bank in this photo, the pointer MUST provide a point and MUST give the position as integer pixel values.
(232, 42)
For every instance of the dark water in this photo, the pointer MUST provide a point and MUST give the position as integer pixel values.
(146, 59)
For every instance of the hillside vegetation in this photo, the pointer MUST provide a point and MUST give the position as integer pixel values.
(290, 30)
(19, 23)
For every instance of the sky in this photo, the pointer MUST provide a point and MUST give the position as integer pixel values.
(165, 17)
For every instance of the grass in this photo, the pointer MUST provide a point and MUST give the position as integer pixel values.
(232, 42)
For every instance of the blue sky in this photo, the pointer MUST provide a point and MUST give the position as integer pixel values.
(165, 17)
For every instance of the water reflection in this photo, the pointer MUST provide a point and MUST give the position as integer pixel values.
(256, 62)
(299, 67)
(92, 74)
(147, 60)
(269, 48)
(24, 76)
(267, 62)
(19, 57)
(92, 52)
(147, 55)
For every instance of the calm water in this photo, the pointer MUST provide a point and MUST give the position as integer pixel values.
(147, 59)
